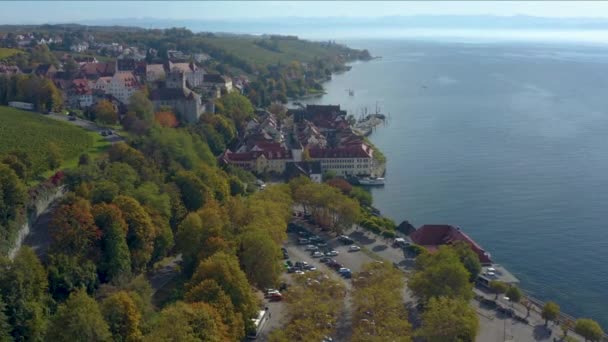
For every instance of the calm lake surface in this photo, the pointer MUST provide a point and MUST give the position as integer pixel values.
(508, 141)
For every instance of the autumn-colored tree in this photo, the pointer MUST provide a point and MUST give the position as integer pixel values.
(78, 319)
(141, 231)
(224, 269)
(105, 112)
(166, 119)
(209, 291)
(340, 184)
(378, 309)
(448, 319)
(116, 259)
(188, 322)
(73, 230)
(123, 317)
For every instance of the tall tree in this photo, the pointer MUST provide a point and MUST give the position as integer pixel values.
(188, 322)
(237, 107)
(105, 113)
(73, 230)
(12, 194)
(260, 257)
(141, 231)
(69, 273)
(5, 327)
(142, 106)
(448, 319)
(440, 275)
(78, 319)
(23, 285)
(224, 269)
(514, 294)
(468, 258)
(54, 156)
(116, 260)
(123, 317)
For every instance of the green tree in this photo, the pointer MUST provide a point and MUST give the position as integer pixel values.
(105, 113)
(498, 287)
(104, 191)
(123, 175)
(194, 192)
(12, 195)
(5, 327)
(440, 275)
(123, 317)
(16, 165)
(468, 258)
(116, 260)
(141, 231)
(84, 159)
(260, 257)
(550, 312)
(71, 68)
(588, 329)
(69, 273)
(237, 107)
(142, 106)
(514, 294)
(23, 285)
(448, 319)
(78, 319)
(54, 156)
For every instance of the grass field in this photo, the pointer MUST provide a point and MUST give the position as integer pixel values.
(6, 53)
(32, 133)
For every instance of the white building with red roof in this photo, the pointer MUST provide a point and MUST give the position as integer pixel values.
(122, 86)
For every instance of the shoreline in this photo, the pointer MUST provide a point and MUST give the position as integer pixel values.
(527, 294)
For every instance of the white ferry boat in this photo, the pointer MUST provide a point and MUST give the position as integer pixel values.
(371, 181)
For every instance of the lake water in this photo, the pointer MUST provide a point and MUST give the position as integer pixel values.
(508, 141)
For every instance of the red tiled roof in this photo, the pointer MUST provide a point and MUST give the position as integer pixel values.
(353, 151)
(126, 78)
(431, 236)
(98, 69)
(80, 86)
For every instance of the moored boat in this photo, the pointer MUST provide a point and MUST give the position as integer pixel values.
(371, 181)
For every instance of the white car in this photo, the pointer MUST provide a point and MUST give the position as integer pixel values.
(331, 253)
(317, 255)
(312, 248)
(354, 248)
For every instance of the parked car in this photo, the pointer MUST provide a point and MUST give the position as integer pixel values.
(322, 244)
(276, 297)
(72, 118)
(310, 268)
(315, 238)
(270, 292)
(332, 253)
(317, 254)
(345, 240)
(303, 241)
(336, 266)
(291, 269)
(354, 248)
(312, 248)
(324, 260)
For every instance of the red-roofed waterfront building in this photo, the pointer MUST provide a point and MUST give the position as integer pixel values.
(431, 236)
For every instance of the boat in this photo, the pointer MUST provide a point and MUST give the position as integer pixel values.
(371, 181)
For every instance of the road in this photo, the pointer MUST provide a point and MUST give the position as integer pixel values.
(88, 125)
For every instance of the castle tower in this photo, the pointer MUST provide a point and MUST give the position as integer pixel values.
(175, 79)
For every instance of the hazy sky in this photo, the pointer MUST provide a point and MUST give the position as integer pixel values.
(63, 11)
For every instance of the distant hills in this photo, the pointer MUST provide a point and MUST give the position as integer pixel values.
(295, 24)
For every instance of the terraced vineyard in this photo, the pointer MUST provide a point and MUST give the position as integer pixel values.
(32, 133)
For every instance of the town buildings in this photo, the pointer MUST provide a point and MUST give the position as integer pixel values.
(186, 103)
(316, 134)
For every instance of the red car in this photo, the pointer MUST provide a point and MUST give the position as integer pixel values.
(275, 297)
